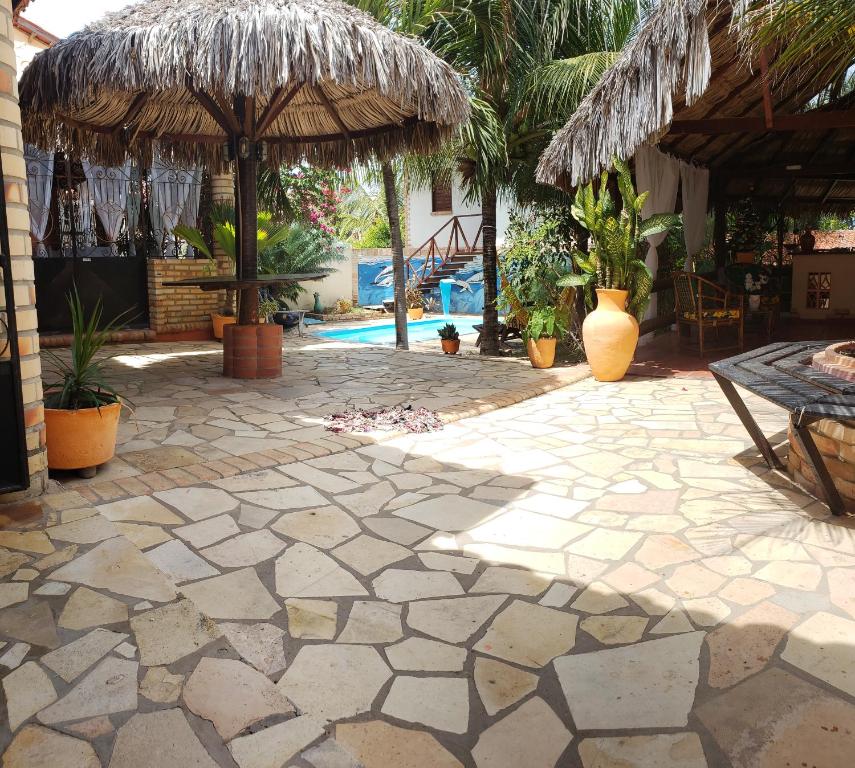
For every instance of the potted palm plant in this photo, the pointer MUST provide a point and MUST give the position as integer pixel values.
(81, 408)
(615, 268)
(449, 338)
(415, 301)
(544, 327)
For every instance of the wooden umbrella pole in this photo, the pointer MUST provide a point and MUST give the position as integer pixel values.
(248, 214)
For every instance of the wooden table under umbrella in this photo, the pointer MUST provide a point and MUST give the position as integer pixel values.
(238, 83)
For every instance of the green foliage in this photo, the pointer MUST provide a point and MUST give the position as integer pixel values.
(540, 254)
(268, 233)
(302, 193)
(747, 227)
(414, 297)
(544, 322)
(301, 249)
(800, 31)
(267, 306)
(80, 383)
(615, 257)
(828, 222)
(376, 235)
(448, 332)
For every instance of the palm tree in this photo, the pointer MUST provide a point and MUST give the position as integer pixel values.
(407, 17)
(528, 64)
(821, 32)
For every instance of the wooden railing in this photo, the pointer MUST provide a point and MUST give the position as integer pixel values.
(441, 246)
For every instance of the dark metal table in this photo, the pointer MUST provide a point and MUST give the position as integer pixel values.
(782, 374)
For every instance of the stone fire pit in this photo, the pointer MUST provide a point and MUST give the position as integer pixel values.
(834, 439)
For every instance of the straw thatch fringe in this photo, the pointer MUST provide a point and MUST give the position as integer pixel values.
(74, 93)
(633, 102)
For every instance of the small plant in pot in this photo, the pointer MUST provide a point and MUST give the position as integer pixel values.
(81, 408)
(540, 335)
(415, 301)
(267, 307)
(449, 338)
(615, 268)
(747, 233)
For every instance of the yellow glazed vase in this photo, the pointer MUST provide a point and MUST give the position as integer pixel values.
(610, 335)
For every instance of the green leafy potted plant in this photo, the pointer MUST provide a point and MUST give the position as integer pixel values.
(747, 232)
(540, 335)
(81, 408)
(266, 307)
(415, 301)
(615, 267)
(449, 338)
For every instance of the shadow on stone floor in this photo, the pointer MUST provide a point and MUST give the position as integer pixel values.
(680, 649)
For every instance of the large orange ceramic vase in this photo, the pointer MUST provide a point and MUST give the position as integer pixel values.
(610, 335)
(81, 439)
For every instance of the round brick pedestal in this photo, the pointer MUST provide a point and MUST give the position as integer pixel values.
(835, 441)
(252, 351)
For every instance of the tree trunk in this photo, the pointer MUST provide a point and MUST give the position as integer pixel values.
(401, 341)
(246, 216)
(490, 333)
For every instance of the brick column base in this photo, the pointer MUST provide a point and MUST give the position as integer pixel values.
(252, 351)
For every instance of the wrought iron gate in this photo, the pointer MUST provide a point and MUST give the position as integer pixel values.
(14, 471)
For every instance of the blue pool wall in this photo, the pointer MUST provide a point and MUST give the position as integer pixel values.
(463, 301)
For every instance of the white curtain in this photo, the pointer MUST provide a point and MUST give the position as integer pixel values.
(659, 174)
(109, 187)
(172, 189)
(39, 181)
(86, 233)
(695, 193)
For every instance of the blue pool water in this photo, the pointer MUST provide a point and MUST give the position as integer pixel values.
(417, 330)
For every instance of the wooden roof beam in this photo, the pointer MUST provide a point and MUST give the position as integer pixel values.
(768, 111)
(274, 108)
(808, 122)
(333, 113)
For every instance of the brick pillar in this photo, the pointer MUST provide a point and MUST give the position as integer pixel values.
(15, 183)
(223, 191)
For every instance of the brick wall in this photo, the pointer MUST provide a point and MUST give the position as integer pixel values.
(180, 310)
(14, 176)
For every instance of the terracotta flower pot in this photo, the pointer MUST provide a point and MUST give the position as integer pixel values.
(450, 346)
(541, 353)
(83, 438)
(220, 321)
(610, 335)
(415, 313)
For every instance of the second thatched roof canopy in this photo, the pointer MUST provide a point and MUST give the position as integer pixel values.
(324, 80)
(689, 72)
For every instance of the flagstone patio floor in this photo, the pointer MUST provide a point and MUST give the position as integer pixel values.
(604, 575)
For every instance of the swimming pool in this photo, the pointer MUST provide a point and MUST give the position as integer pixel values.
(417, 330)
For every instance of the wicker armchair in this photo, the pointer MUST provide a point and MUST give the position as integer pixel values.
(701, 304)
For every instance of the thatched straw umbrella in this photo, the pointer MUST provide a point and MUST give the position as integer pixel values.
(249, 79)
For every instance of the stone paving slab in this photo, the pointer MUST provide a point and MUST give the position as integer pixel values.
(602, 575)
(188, 423)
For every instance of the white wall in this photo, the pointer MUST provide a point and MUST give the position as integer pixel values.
(422, 223)
(25, 48)
(338, 285)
